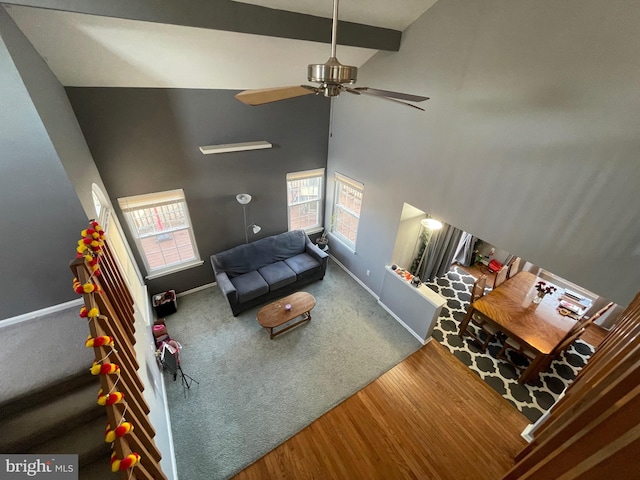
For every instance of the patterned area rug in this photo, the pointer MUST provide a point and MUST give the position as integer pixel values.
(532, 399)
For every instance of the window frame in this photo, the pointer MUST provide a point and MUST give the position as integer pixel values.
(339, 180)
(133, 203)
(303, 175)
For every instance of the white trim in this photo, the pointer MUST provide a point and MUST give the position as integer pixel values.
(197, 289)
(140, 203)
(304, 174)
(145, 312)
(355, 278)
(527, 432)
(137, 202)
(421, 340)
(318, 173)
(340, 238)
(41, 313)
(349, 181)
(338, 181)
(184, 266)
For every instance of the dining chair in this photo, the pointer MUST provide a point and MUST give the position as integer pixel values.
(478, 319)
(501, 276)
(514, 265)
(585, 322)
(576, 331)
(479, 287)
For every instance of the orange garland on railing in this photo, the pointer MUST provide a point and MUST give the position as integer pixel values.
(120, 431)
(90, 248)
(103, 341)
(127, 462)
(110, 398)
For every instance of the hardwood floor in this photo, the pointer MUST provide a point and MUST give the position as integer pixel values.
(429, 417)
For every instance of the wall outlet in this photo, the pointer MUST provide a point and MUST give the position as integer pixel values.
(368, 272)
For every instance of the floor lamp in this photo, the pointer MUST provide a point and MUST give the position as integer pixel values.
(429, 224)
(244, 199)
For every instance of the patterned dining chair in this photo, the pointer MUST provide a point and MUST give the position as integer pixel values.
(479, 320)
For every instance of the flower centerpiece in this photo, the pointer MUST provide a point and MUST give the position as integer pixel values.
(543, 289)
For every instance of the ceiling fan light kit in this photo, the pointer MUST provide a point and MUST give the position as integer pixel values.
(243, 198)
(332, 72)
(235, 147)
(332, 77)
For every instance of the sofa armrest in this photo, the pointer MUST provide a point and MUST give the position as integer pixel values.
(316, 253)
(229, 291)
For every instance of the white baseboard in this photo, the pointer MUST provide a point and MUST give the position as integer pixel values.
(41, 313)
(197, 289)
(527, 432)
(421, 340)
(371, 292)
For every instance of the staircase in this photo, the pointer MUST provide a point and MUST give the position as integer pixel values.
(64, 419)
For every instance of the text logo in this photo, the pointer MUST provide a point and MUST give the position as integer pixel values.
(40, 466)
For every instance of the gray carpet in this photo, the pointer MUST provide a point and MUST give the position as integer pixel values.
(254, 393)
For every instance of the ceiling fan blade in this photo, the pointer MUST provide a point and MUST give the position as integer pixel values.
(268, 95)
(365, 90)
(387, 93)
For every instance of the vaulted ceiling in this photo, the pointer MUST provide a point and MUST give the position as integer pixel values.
(219, 44)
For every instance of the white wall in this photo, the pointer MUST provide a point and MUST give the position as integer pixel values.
(530, 140)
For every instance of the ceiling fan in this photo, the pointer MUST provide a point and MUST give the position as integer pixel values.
(333, 78)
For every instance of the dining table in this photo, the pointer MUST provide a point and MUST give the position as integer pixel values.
(540, 327)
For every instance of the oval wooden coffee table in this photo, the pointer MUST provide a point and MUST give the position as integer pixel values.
(275, 314)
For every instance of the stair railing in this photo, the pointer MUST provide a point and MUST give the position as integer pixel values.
(109, 309)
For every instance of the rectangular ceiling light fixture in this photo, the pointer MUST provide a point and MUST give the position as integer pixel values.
(234, 147)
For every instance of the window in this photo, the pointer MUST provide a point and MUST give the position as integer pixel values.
(162, 230)
(304, 199)
(347, 203)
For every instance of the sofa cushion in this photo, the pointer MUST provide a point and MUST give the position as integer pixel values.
(252, 256)
(278, 275)
(250, 285)
(303, 264)
(287, 244)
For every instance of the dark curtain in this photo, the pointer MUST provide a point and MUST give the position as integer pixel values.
(440, 252)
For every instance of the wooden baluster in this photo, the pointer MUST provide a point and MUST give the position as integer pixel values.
(116, 320)
(113, 266)
(592, 430)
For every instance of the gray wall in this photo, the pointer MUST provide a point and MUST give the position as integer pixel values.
(40, 212)
(146, 140)
(530, 140)
(57, 117)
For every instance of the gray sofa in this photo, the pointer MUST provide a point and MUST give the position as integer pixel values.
(272, 267)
